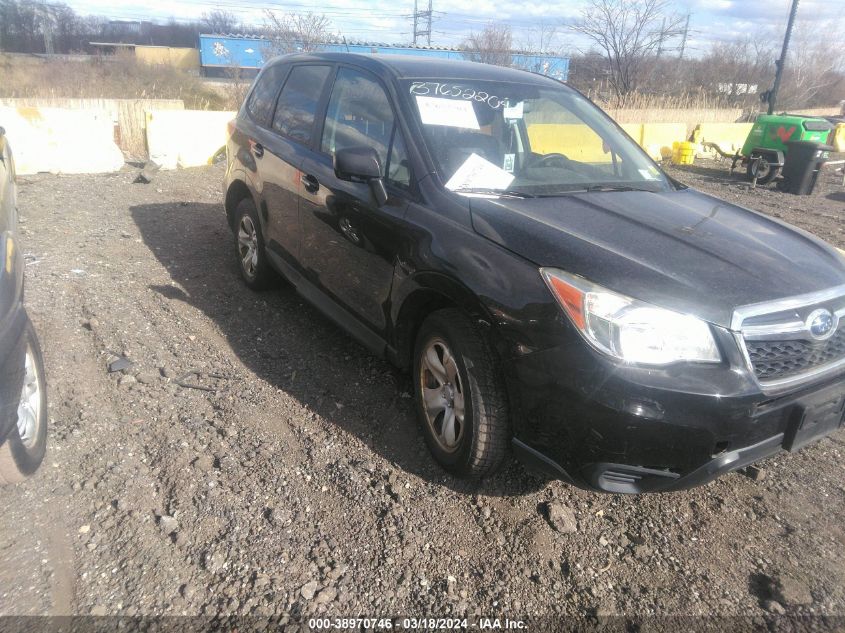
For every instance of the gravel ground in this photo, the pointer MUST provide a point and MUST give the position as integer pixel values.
(297, 483)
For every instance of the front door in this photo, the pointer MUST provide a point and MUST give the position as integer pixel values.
(349, 242)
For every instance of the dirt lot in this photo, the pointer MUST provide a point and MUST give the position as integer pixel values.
(299, 483)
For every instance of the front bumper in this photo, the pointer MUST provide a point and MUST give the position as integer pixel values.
(620, 429)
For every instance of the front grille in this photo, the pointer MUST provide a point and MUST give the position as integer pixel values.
(774, 360)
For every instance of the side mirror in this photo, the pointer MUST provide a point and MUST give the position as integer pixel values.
(361, 164)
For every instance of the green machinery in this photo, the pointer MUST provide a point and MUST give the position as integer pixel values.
(766, 145)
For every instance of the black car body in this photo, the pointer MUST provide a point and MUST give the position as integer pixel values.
(22, 383)
(379, 253)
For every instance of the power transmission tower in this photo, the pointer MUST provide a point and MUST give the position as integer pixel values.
(422, 22)
(662, 38)
(684, 40)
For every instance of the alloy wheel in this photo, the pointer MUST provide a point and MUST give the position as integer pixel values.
(443, 396)
(248, 245)
(29, 406)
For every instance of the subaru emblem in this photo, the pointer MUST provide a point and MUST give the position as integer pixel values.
(821, 324)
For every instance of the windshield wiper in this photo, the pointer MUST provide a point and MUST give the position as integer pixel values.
(513, 193)
(602, 188)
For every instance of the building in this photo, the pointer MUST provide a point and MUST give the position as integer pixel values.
(177, 57)
(220, 54)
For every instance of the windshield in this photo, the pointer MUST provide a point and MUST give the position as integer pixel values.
(490, 137)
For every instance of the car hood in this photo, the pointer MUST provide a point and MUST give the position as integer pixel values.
(683, 250)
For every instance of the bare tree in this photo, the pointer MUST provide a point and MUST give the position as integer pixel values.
(736, 71)
(630, 33)
(294, 32)
(813, 75)
(219, 22)
(541, 38)
(494, 45)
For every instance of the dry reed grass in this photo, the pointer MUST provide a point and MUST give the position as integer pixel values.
(118, 77)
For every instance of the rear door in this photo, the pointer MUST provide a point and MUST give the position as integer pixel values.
(349, 243)
(270, 167)
(284, 148)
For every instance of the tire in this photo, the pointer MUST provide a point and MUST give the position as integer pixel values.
(476, 446)
(23, 451)
(253, 263)
(765, 172)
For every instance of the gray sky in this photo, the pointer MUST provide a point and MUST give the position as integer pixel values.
(389, 21)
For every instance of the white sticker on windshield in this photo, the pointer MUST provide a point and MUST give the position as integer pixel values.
(515, 111)
(451, 112)
(478, 173)
(647, 174)
(510, 160)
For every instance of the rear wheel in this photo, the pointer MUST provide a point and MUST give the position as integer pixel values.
(460, 396)
(249, 246)
(23, 451)
(763, 169)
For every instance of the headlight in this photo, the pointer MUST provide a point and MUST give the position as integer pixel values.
(630, 330)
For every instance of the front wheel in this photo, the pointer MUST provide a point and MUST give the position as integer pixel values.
(460, 396)
(23, 451)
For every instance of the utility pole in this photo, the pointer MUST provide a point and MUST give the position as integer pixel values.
(772, 94)
(420, 18)
(684, 41)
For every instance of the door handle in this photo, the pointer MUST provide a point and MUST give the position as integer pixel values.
(257, 149)
(310, 183)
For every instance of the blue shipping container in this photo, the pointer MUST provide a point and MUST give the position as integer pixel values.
(221, 51)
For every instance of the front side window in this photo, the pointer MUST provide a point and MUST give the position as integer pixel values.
(398, 167)
(359, 115)
(297, 105)
(490, 135)
(263, 96)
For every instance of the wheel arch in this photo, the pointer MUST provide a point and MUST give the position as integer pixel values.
(237, 190)
(425, 294)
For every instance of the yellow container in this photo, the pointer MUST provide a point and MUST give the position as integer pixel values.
(683, 153)
(838, 138)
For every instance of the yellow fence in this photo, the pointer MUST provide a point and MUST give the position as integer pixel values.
(186, 138)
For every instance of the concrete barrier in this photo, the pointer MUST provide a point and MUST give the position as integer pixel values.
(577, 142)
(186, 138)
(61, 141)
(730, 137)
(838, 138)
(634, 130)
(657, 138)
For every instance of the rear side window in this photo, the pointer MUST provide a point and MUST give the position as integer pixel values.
(297, 105)
(260, 104)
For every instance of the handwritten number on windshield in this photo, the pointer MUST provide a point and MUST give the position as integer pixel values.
(433, 88)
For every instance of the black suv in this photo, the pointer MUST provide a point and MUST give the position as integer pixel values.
(548, 286)
(23, 389)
